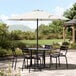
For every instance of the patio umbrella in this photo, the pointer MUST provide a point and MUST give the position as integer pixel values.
(55, 17)
(35, 15)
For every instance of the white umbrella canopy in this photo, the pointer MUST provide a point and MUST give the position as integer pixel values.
(34, 15)
(37, 14)
(55, 17)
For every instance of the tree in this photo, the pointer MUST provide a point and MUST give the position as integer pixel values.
(4, 36)
(56, 27)
(17, 35)
(3, 31)
(29, 35)
(71, 13)
(52, 30)
(44, 29)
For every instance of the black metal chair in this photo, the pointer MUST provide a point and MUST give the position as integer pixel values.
(48, 47)
(14, 58)
(48, 52)
(56, 56)
(62, 53)
(27, 57)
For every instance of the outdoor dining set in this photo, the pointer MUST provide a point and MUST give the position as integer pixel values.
(39, 54)
(36, 57)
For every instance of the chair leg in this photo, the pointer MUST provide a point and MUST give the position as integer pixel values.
(29, 69)
(56, 62)
(59, 60)
(40, 64)
(15, 63)
(27, 63)
(34, 64)
(35, 61)
(50, 61)
(42, 61)
(23, 64)
(66, 62)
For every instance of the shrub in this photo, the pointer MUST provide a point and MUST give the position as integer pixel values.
(56, 46)
(3, 52)
(65, 43)
(20, 44)
(9, 52)
(5, 44)
(18, 51)
(17, 44)
(73, 46)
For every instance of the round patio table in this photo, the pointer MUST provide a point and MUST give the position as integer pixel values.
(43, 50)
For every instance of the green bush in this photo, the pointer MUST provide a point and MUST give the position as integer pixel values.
(9, 52)
(3, 52)
(20, 45)
(65, 43)
(17, 44)
(5, 44)
(73, 46)
(56, 46)
(18, 51)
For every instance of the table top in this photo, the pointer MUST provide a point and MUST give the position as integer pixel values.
(37, 49)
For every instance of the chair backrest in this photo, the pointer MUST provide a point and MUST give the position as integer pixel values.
(63, 50)
(48, 47)
(25, 51)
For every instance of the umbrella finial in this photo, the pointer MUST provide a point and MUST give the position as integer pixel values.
(38, 10)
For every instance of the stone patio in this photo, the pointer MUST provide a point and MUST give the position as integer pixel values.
(61, 71)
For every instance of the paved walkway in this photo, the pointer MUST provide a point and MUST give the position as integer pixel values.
(61, 71)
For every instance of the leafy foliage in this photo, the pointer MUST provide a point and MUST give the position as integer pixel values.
(3, 52)
(73, 46)
(71, 13)
(65, 43)
(56, 28)
(43, 29)
(19, 35)
(4, 36)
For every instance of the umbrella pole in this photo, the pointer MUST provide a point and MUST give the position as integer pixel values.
(37, 43)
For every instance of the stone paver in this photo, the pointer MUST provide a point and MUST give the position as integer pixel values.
(62, 71)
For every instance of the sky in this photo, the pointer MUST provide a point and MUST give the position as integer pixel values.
(10, 8)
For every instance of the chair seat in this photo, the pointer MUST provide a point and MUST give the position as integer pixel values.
(61, 54)
(54, 55)
(33, 57)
